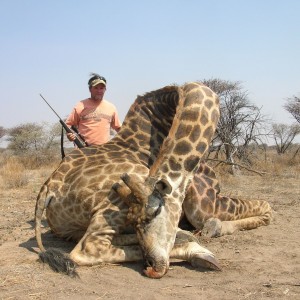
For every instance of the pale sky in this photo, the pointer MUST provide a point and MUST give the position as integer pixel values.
(51, 46)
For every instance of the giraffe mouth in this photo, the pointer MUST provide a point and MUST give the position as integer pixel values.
(153, 270)
(152, 273)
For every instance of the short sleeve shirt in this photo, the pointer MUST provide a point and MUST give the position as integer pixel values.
(94, 120)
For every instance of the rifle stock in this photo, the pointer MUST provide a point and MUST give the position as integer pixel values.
(79, 142)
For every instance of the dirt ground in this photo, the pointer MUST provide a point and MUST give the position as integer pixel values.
(259, 264)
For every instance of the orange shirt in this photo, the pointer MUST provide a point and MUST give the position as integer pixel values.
(94, 120)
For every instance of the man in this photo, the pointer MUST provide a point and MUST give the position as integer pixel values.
(94, 117)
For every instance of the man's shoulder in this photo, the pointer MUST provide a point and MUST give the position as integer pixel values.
(108, 104)
(82, 103)
(87, 100)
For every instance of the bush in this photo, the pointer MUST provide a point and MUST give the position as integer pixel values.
(14, 174)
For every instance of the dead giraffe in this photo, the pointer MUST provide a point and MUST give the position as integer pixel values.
(159, 149)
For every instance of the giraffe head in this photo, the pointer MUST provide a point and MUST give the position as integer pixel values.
(152, 213)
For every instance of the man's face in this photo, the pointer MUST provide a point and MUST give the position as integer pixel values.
(97, 91)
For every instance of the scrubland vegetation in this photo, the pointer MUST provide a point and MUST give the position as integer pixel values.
(16, 170)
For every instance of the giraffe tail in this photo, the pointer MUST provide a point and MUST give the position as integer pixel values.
(39, 210)
(56, 259)
(59, 262)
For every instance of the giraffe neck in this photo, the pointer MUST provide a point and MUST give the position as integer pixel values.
(188, 138)
(148, 123)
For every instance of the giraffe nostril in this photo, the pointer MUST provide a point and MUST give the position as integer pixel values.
(149, 262)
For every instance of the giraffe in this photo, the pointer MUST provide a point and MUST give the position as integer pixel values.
(122, 201)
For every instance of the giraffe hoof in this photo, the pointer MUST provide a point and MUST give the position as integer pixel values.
(205, 260)
(212, 228)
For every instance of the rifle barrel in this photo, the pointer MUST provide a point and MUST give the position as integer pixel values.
(79, 141)
(50, 107)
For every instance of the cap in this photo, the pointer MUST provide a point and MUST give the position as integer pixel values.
(97, 81)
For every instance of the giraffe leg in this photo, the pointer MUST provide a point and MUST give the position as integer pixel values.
(102, 243)
(257, 213)
(94, 249)
(217, 215)
(221, 222)
(212, 228)
(188, 248)
(125, 240)
(91, 250)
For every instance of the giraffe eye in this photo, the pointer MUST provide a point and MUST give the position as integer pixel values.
(152, 212)
(154, 205)
(157, 211)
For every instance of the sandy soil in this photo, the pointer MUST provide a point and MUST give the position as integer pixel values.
(260, 264)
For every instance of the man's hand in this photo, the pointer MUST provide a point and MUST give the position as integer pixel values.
(71, 136)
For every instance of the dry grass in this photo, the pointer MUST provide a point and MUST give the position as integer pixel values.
(275, 164)
(270, 165)
(15, 172)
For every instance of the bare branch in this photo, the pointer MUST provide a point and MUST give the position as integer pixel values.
(241, 122)
(293, 107)
(236, 164)
(284, 135)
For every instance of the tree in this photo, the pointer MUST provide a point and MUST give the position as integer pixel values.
(33, 137)
(40, 141)
(293, 107)
(241, 122)
(2, 132)
(284, 135)
(25, 137)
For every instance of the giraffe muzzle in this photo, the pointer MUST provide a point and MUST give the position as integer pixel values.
(154, 270)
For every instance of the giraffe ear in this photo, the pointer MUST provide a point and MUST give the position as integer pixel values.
(163, 186)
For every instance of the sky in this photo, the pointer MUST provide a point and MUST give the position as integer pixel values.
(51, 46)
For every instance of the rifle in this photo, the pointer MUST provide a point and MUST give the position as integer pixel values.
(79, 141)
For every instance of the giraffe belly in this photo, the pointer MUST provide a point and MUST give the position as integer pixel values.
(66, 222)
